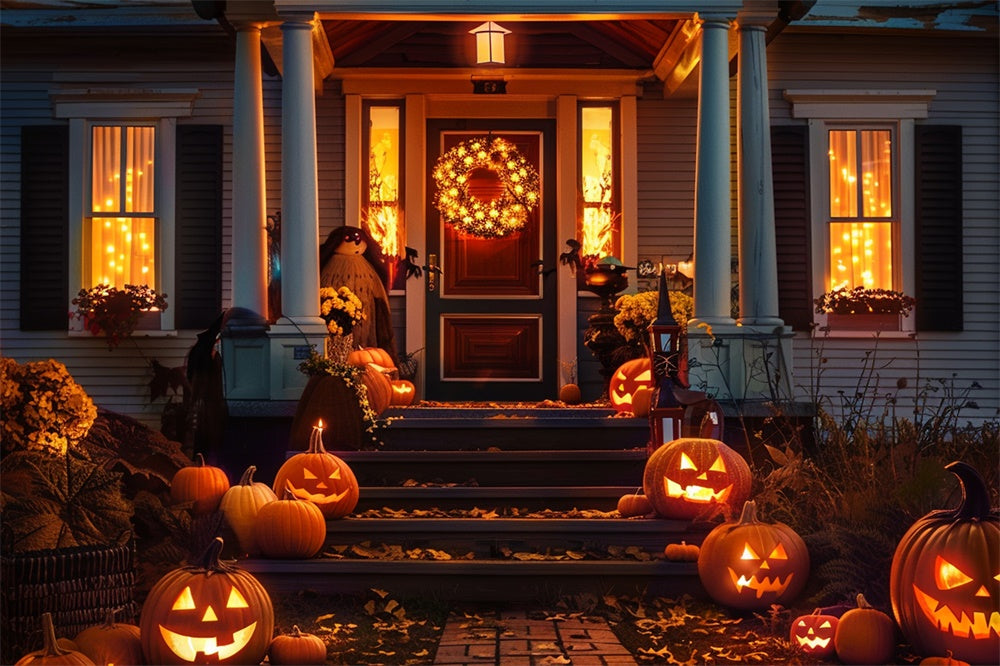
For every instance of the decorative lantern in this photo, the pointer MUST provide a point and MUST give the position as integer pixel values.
(489, 43)
(666, 413)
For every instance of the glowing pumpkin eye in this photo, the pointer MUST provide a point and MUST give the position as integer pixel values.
(644, 376)
(306, 474)
(236, 600)
(184, 600)
(718, 466)
(778, 553)
(335, 474)
(825, 625)
(801, 623)
(947, 575)
(686, 462)
(748, 553)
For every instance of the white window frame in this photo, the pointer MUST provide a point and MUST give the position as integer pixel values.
(160, 108)
(827, 110)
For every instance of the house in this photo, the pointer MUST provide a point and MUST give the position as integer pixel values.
(781, 148)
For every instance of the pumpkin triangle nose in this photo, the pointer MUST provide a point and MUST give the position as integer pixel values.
(765, 565)
(982, 591)
(209, 615)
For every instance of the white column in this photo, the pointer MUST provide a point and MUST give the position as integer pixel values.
(758, 265)
(299, 189)
(712, 189)
(249, 191)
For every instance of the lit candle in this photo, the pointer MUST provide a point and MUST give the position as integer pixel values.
(316, 438)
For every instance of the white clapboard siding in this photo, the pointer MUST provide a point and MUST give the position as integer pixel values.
(963, 71)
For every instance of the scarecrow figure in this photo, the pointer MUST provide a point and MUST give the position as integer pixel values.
(351, 257)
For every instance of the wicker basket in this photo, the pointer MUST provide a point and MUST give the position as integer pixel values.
(77, 585)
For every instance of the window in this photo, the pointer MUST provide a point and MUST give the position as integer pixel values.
(383, 213)
(599, 221)
(862, 221)
(120, 245)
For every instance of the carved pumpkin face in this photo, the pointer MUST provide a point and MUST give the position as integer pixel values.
(683, 477)
(403, 392)
(629, 377)
(751, 565)
(945, 577)
(212, 613)
(813, 634)
(321, 478)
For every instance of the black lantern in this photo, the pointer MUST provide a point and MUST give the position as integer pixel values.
(666, 413)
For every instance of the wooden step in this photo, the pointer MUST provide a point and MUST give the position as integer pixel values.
(485, 537)
(499, 468)
(478, 580)
(532, 498)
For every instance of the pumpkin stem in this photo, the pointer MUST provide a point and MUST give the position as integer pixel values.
(749, 514)
(199, 460)
(975, 499)
(295, 631)
(109, 619)
(288, 495)
(862, 602)
(210, 559)
(247, 478)
(51, 645)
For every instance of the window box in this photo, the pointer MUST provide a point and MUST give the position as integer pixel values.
(864, 322)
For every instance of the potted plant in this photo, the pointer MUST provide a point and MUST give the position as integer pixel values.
(862, 308)
(116, 313)
(69, 473)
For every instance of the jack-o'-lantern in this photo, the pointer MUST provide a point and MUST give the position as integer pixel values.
(629, 377)
(813, 633)
(749, 564)
(689, 477)
(209, 612)
(320, 477)
(403, 392)
(945, 577)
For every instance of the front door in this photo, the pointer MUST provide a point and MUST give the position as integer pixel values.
(491, 311)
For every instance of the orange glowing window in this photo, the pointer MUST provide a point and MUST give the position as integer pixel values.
(862, 222)
(121, 228)
(383, 213)
(599, 225)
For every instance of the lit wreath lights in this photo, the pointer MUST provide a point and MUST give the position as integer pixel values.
(499, 217)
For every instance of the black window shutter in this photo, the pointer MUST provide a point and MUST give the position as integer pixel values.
(938, 199)
(790, 172)
(198, 285)
(44, 227)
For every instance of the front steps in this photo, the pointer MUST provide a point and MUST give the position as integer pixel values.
(474, 486)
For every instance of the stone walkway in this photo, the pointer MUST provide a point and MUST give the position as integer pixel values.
(510, 638)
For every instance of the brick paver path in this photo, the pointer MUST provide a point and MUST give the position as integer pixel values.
(510, 638)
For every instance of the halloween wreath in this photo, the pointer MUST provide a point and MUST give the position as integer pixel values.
(506, 214)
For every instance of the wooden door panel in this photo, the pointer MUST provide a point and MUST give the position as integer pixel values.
(491, 348)
(496, 267)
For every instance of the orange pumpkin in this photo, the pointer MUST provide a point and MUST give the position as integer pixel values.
(749, 564)
(320, 477)
(943, 661)
(378, 386)
(365, 355)
(629, 376)
(199, 483)
(681, 552)
(290, 528)
(241, 504)
(865, 635)
(690, 476)
(570, 394)
(297, 647)
(642, 399)
(634, 504)
(52, 652)
(207, 612)
(403, 392)
(111, 643)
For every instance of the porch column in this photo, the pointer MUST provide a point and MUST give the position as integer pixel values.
(299, 188)
(249, 191)
(712, 189)
(758, 267)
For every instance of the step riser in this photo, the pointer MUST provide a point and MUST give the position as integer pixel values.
(499, 473)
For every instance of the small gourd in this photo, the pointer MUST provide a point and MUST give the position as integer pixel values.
(634, 504)
(297, 647)
(51, 652)
(865, 635)
(681, 552)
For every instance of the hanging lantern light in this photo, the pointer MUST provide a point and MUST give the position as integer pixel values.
(489, 43)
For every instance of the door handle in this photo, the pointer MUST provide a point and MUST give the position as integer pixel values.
(432, 272)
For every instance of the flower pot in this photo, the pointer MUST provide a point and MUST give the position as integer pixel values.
(863, 322)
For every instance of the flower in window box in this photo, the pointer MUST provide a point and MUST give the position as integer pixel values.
(863, 301)
(113, 312)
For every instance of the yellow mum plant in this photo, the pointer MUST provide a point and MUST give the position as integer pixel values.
(341, 309)
(635, 313)
(44, 409)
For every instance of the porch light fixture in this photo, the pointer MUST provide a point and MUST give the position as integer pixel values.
(489, 43)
